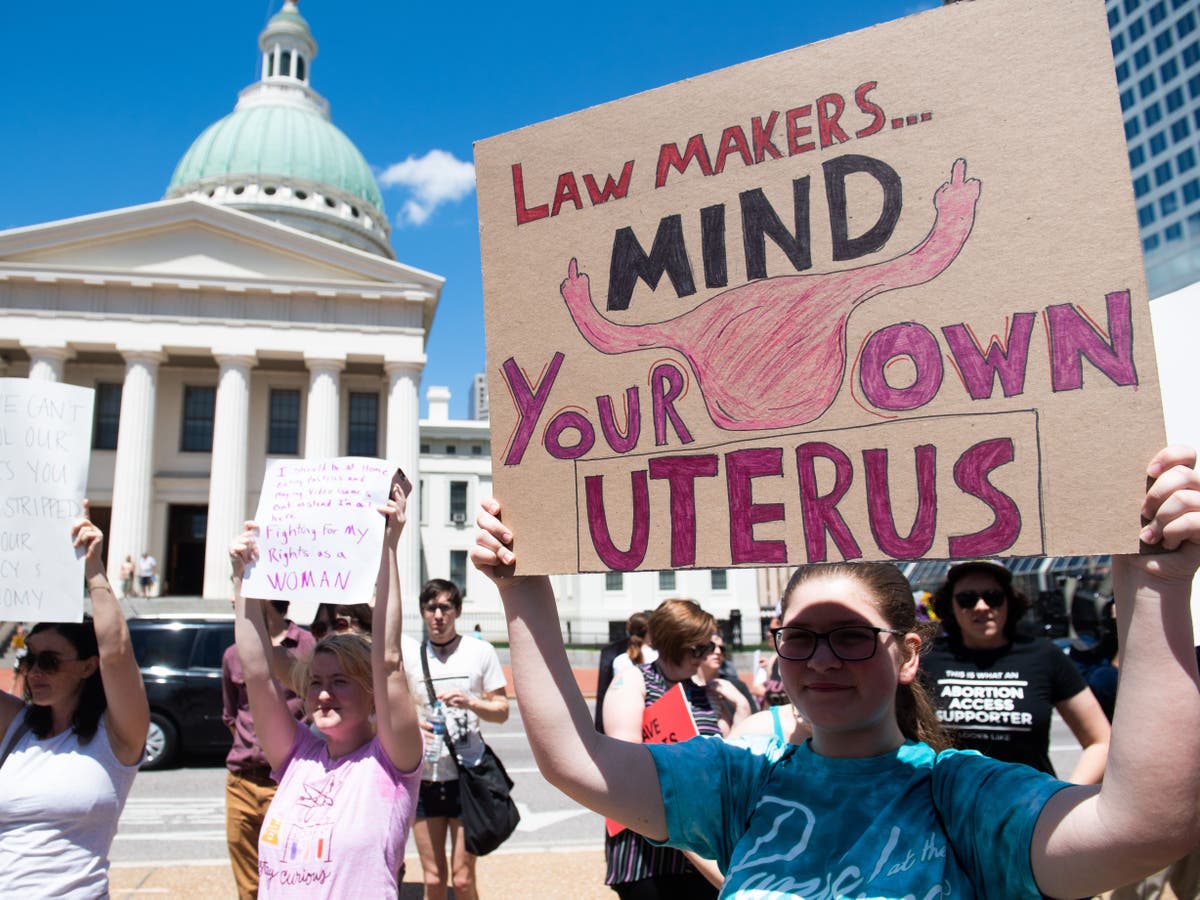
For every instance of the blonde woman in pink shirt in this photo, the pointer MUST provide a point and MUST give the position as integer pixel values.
(340, 818)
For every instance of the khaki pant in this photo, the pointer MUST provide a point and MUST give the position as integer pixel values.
(247, 798)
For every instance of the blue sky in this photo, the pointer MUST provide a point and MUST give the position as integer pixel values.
(102, 99)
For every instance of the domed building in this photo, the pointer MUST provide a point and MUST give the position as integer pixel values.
(256, 310)
(279, 156)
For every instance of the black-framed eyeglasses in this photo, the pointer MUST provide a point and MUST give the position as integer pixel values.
(47, 660)
(699, 651)
(338, 624)
(444, 608)
(849, 643)
(967, 599)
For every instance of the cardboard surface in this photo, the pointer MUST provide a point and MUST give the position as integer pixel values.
(879, 297)
(45, 448)
(320, 532)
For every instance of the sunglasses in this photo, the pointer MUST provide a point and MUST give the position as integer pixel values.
(968, 599)
(48, 661)
(701, 650)
(339, 624)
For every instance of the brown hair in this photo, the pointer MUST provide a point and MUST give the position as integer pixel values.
(892, 594)
(435, 587)
(353, 653)
(677, 625)
(636, 628)
(92, 702)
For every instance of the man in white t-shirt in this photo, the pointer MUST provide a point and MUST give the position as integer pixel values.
(468, 684)
(147, 570)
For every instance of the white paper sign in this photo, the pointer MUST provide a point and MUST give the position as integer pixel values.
(320, 534)
(45, 445)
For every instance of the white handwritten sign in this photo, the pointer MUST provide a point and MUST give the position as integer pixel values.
(320, 534)
(45, 438)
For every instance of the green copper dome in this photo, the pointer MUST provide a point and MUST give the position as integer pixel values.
(278, 155)
(287, 142)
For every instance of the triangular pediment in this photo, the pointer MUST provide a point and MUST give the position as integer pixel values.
(194, 239)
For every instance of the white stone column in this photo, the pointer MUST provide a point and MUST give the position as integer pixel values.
(321, 428)
(227, 483)
(133, 474)
(46, 362)
(403, 449)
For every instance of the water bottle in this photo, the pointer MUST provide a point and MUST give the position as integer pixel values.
(434, 742)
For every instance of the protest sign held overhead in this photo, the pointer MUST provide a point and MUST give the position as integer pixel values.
(880, 297)
(320, 532)
(45, 446)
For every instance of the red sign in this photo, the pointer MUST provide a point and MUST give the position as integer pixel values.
(668, 720)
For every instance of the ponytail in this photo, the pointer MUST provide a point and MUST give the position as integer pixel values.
(637, 628)
(635, 649)
(917, 718)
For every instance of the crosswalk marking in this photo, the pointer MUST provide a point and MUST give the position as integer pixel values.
(161, 811)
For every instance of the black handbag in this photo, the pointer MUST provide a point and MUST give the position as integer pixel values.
(489, 815)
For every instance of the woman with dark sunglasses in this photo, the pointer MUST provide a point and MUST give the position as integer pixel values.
(69, 753)
(996, 689)
(683, 635)
(730, 704)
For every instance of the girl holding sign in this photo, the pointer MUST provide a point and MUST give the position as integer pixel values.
(871, 805)
(69, 753)
(340, 818)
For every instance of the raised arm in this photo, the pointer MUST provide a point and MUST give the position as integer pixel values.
(1087, 722)
(273, 722)
(1144, 815)
(285, 663)
(615, 778)
(395, 711)
(127, 718)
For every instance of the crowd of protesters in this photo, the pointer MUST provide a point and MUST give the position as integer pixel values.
(876, 751)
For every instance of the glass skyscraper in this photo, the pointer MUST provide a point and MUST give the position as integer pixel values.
(1156, 48)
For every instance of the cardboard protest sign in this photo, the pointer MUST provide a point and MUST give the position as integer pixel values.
(668, 720)
(880, 297)
(320, 532)
(45, 446)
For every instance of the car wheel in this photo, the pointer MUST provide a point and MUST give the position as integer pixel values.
(162, 742)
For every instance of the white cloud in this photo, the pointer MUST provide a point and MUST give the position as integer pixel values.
(431, 180)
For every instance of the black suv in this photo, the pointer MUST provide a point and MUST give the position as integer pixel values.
(180, 661)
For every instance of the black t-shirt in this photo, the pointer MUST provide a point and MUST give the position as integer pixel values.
(999, 702)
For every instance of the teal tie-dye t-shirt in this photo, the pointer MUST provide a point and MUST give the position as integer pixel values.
(784, 822)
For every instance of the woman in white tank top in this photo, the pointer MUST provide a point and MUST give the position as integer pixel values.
(70, 751)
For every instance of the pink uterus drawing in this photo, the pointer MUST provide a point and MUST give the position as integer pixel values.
(772, 353)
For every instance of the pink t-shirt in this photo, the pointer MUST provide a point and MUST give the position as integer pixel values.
(337, 827)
